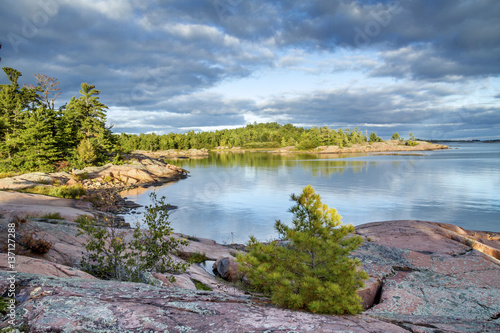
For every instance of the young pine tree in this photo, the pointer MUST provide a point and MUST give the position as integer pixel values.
(311, 268)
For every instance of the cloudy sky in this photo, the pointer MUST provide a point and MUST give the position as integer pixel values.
(427, 66)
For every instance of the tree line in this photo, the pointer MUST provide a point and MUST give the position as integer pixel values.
(35, 136)
(263, 135)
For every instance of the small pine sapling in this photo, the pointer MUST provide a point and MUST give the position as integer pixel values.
(310, 268)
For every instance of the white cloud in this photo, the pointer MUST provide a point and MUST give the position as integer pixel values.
(113, 9)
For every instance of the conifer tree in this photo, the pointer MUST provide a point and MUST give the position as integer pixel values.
(14, 101)
(310, 268)
(84, 121)
(38, 146)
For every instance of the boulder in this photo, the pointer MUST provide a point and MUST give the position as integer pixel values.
(227, 268)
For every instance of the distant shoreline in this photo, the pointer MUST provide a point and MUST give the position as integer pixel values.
(390, 146)
(464, 141)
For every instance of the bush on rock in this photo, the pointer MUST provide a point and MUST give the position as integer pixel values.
(111, 256)
(310, 267)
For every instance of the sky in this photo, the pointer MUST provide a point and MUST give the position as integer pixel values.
(426, 66)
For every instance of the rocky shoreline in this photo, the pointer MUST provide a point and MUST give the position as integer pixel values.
(424, 277)
(376, 147)
(102, 186)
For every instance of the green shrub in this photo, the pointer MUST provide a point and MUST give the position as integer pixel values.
(396, 136)
(193, 258)
(118, 159)
(8, 174)
(307, 145)
(81, 176)
(260, 145)
(374, 138)
(310, 268)
(4, 305)
(111, 256)
(411, 143)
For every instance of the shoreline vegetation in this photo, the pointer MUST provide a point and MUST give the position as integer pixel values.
(35, 136)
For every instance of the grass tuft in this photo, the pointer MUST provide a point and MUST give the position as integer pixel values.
(52, 216)
(201, 286)
(193, 258)
(64, 191)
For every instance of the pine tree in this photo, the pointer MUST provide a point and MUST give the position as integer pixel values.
(84, 118)
(38, 147)
(13, 102)
(310, 268)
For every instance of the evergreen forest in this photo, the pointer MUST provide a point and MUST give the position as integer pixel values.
(36, 136)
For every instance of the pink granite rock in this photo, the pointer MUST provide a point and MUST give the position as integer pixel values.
(433, 279)
(424, 277)
(77, 305)
(25, 264)
(227, 268)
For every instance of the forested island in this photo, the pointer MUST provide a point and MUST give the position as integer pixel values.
(37, 136)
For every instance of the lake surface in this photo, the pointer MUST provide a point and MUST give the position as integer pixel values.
(230, 196)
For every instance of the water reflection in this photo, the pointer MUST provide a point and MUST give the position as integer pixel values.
(234, 195)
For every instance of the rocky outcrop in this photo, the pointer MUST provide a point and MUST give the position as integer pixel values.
(173, 153)
(47, 304)
(430, 277)
(424, 277)
(38, 205)
(26, 264)
(385, 146)
(141, 169)
(101, 184)
(67, 250)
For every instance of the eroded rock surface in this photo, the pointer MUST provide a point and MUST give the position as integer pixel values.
(76, 305)
(26, 264)
(141, 169)
(430, 276)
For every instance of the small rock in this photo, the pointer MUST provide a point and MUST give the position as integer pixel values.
(227, 268)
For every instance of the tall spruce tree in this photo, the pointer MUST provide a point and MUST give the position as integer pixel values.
(14, 101)
(310, 268)
(38, 146)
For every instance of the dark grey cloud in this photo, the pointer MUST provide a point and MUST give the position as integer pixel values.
(154, 60)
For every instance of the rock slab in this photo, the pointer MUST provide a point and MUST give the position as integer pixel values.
(424, 277)
(432, 278)
(49, 304)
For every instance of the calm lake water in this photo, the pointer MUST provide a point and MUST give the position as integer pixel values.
(230, 196)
